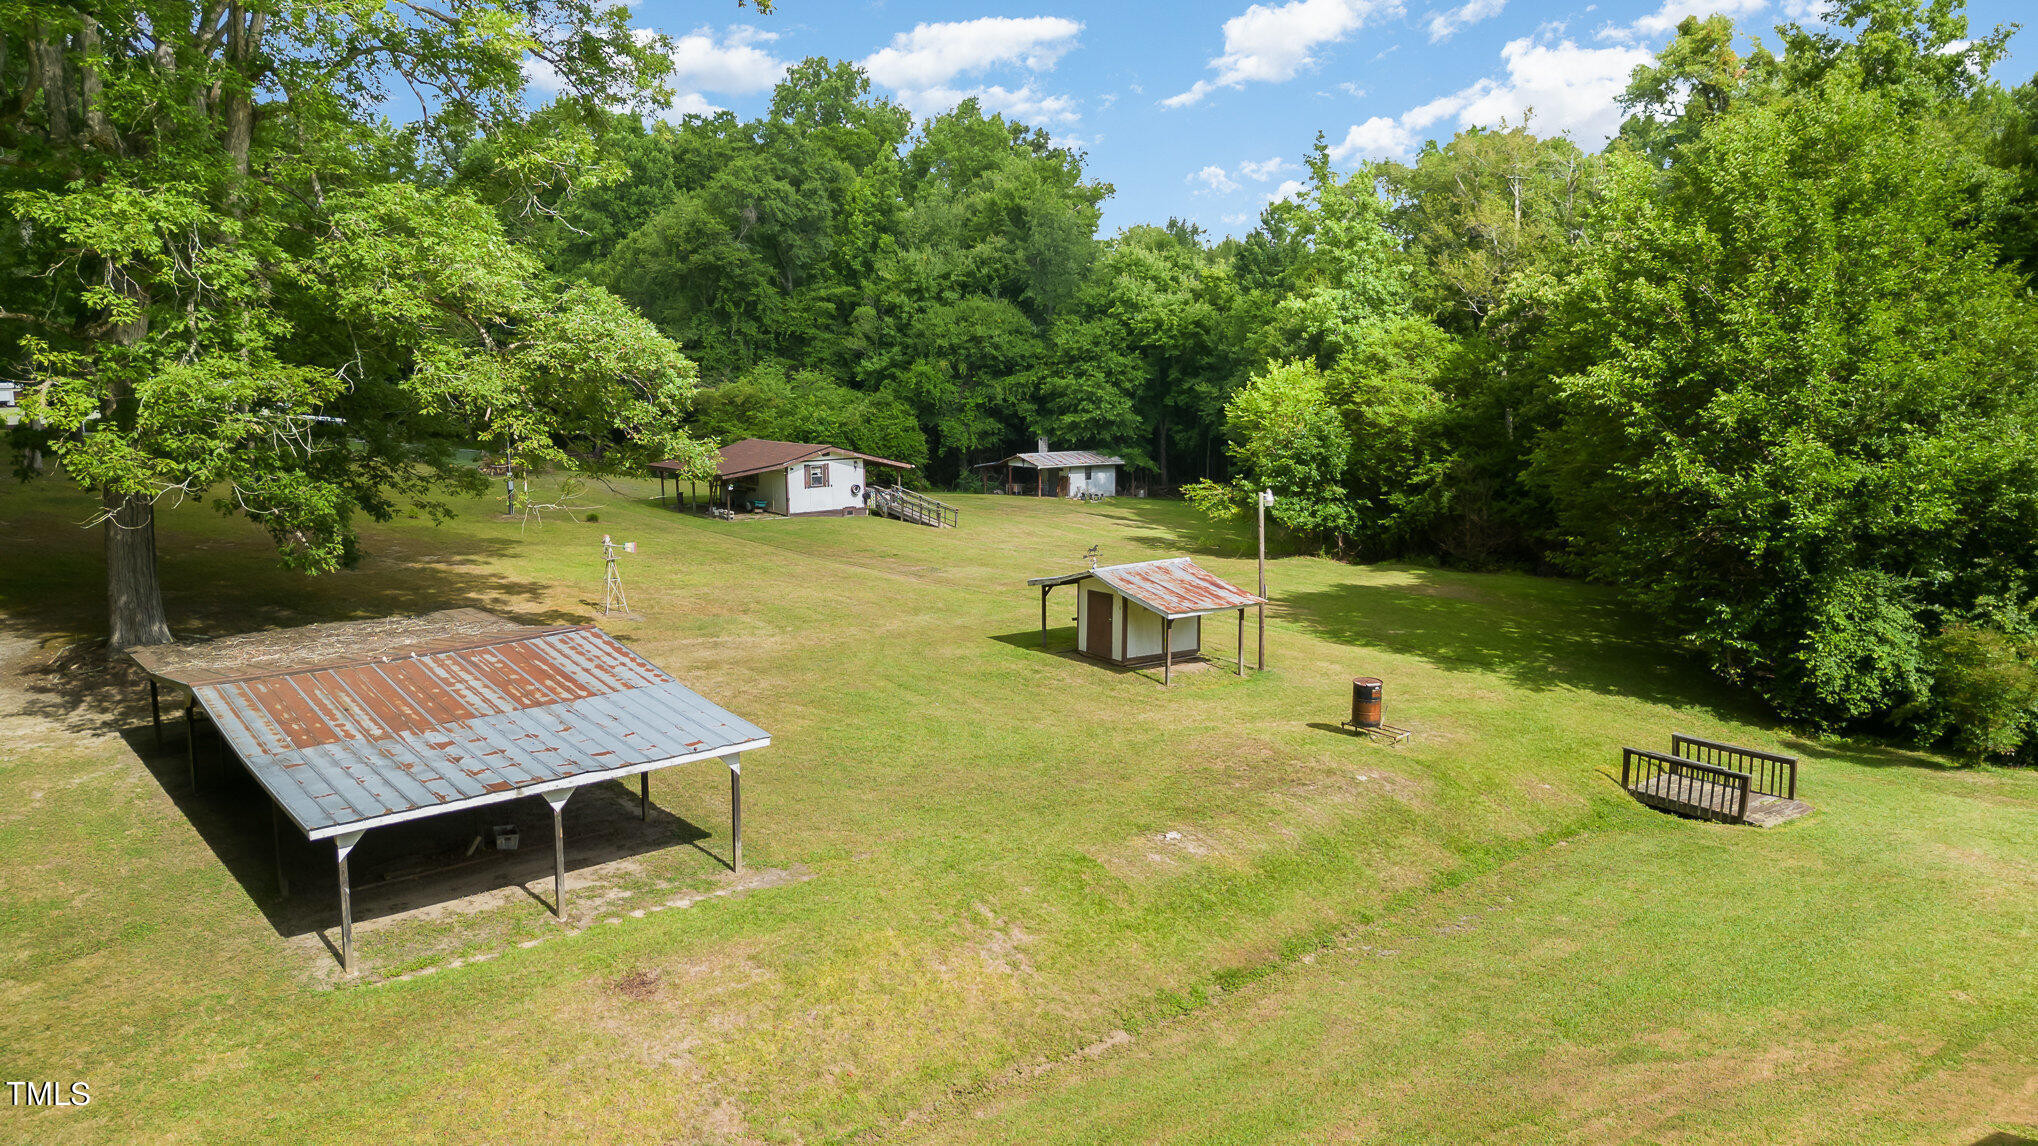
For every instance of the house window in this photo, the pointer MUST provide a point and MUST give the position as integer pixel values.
(817, 476)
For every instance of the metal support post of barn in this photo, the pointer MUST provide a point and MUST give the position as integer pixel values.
(557, 798)
(735, 763)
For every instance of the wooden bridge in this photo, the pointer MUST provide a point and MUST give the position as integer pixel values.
(904, 504)
(1714, 781)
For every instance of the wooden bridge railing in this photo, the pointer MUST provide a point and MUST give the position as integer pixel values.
(1769, 773)
(1685, 785)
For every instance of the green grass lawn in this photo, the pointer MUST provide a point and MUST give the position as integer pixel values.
(983, 929)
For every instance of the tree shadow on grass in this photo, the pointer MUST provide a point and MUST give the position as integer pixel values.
(1172, 529)
(1539, 635)
(1869, 754)
(417, 866)
(1059, 640)
(52, 609)
(1061, 645)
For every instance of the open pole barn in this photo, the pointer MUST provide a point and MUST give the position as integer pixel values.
(1147, 613)
(354, 726)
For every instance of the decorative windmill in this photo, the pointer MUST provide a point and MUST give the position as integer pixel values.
(612, 580)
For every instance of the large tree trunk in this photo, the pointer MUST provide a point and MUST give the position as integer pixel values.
(134, 598)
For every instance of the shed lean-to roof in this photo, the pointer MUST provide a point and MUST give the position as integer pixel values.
(459, 722)
(761, 455)
(1176, 587)
(1056, 460)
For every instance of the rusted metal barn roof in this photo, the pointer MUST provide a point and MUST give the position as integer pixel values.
(454, 721)
(1057, 459)
(1176, 587)
(307, 646)
(761, 455)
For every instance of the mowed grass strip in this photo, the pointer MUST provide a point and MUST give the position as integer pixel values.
(985, 824)
(1868, 976)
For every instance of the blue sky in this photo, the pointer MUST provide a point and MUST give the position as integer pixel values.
(1203, 110)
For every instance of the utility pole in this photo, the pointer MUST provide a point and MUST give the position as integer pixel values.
(1264, 499)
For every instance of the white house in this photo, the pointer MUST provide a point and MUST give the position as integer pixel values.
(793, 479)
(1150, 612)
(1058, 473)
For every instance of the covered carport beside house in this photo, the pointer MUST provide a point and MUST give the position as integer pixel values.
(352, 727)
(789, 479)
(1056, 473)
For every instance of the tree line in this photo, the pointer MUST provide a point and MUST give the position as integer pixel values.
(1765, 362)
(1768, 363)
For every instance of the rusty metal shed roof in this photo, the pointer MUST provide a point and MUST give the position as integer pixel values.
(459, 722)
(1176, 587)
(761, 455)
(1056, 460)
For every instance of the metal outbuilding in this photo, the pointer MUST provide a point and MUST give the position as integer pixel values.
(1128, 616)
(354, 726)
(1061, 473)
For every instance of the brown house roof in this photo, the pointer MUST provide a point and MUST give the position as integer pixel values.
(760, 455)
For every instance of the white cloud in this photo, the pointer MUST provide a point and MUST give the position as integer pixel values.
(1288, 189)
(541, 76)
(1570, 89)
(1215, 178)
(922, 65)
(730, 65)
(1024, 103)
(1351, 89)
(702, 62)
(1271, 44)
(1664, 20)
(1377, 138)
(689, 103)
(1240, 218)
(1265, 169)
(1444, 25)
(932, 55)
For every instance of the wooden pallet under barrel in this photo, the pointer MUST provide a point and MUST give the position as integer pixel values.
(1714, 781)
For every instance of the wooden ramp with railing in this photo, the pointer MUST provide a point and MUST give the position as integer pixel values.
(1714, 781)
(905, 505)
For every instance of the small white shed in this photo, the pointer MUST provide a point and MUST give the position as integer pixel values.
(1146, 613)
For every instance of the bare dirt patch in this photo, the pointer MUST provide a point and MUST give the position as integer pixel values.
(637, 985)
(505, 919)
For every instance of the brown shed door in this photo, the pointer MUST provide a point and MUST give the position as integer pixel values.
(1097, 642)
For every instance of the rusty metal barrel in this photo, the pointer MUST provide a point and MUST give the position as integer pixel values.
(1366, 692)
